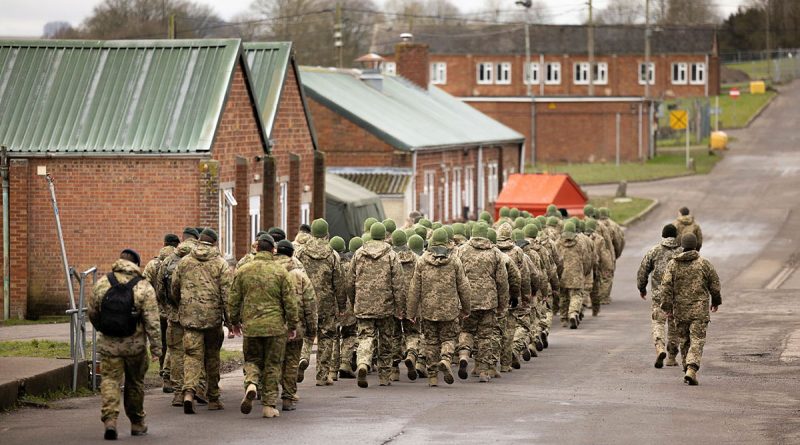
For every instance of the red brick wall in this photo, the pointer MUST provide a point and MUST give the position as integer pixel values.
(412, 62)
(292, 136)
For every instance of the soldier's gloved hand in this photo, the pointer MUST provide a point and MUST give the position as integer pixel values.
(643, 294)
(714, 308)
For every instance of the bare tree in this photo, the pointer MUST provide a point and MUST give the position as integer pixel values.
(691, 12)
(623, 12)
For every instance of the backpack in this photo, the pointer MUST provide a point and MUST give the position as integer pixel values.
(166, 281)
(118, 315)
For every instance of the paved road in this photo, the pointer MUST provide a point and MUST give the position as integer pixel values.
(594, 385)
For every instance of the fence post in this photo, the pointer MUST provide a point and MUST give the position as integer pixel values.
(618, 124)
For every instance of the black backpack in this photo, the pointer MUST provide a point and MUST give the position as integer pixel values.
(118, 315)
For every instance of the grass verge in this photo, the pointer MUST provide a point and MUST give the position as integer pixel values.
(623, 210)
(665, 165)
(35, 348)
(736, 113)
(48, 319)
(765, 69)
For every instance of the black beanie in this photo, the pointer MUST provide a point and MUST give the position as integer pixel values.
(285, 247)
(171, 240)
(689, 242)
(136, 258)
(277, 233)
(669, 231)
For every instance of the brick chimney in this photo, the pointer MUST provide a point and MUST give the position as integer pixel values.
(412, 61)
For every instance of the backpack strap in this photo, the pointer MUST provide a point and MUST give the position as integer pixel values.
(132, 282)
(112, 279)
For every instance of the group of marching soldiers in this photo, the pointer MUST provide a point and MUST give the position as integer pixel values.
(428, 296)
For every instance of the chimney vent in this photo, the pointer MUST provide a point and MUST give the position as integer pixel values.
(406, 37)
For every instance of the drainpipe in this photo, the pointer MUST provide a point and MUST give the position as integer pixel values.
(481, 191)
(6, 236)
(413, 181)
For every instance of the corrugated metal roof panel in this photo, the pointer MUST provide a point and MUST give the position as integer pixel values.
(161, 96)
(268, 62)
(381, 180)
(402, 114)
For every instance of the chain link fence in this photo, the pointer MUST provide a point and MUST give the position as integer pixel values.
(778, 66)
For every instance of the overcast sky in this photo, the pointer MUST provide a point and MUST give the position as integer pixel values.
(27, 17)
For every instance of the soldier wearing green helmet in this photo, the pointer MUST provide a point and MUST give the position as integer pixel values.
(617, 238)
(407, 348)
(416, 244)
(572, 278)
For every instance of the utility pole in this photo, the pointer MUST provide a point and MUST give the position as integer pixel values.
(172, 26)
(590, 32)
(646, 49)
(337, 35)
(769, 56)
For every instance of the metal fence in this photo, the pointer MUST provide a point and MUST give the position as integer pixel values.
(778, 66)
(700, 120)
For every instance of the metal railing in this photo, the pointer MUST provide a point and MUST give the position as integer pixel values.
(77, 329)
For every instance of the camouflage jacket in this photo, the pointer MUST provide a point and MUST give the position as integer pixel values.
(540, 255)
(408, 260)
(488, 277)
(347, 318)
(528, 277)
(687, 224)
(616, 234)
(440, 290)
(324, 268)
(150, 274)
(552, 233)
(688, 282)
(514, 284)
(200, 285)
(301, 239)
(304, 296)
(555, 253)
(375, 283)
(144, 300)
(572, 277)
(605, 254)
(655, 262)
(163, 284)
(263, 298)
(592, 260)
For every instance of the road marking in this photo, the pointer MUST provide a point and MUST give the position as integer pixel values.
(782, 276)
(791, 352)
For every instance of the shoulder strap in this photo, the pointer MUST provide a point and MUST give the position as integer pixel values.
(112, 279)
(132, 282)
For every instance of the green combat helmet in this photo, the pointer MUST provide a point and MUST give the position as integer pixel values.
(426, 223)
(390, 225)
(459, 229)
(415, 243)
(438, 239)
(450, 232)
(377, 232)
(529, 220)
(409, 232)
(518, 235)
(552, 210)
(588, 210)
(355, 244)
(468, 229)
(399, 238)
(366, 237)
(480, 230)
(486, 217)
(591, 226)
(569, 231)
(525, 214)
(337, 244)
(513, 213)
(421, 231)
(437, 225)
(504, 212)
(531, 231)
(519, 222)
(369, 222)
(580, 226)
(603, 213)
(553, 222)
(492, 235)
(319, 228)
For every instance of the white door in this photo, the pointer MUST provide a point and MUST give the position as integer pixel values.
(255, 216)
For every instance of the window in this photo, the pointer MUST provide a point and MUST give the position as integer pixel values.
(255, 216)
(600, 73)
(284, 205)
(581, 73)
(650, 73)
(679, 73)
(503, 73)
(552, 73)
(457, 198)
(428, 191)
(389, 68)
(305, 213)
(469, 188)
(531, 73)
(226, 204)
(697, 74)
(438, 73)
(492, 178)
(485, 73)
(446, 195)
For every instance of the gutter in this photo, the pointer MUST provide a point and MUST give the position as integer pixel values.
(115, 155)
(6, 236)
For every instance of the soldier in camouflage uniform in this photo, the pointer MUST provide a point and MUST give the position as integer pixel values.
(200, 286)
(150, 274)
(416, 244)
(324, 268)
(348, 333)
(409, 347)
(686, 286)
(540, 326)
(174, 328)
(303, 235)
(488, 277)
(604, 262)
(338, 246)
(253, 250)
(264, 307)
(572, 278)
(685, 223)
(594, 264)
(459, 234)
(618, 242)
(376, 289)
(440, 294)
(126, 356)
(655, 262)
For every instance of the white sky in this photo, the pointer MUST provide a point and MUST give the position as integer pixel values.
(26, 18)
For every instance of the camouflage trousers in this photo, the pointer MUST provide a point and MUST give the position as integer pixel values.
(409, 340)
(176, 353)
(692, 339)
(384, 331)
(606, 279)
(477, 331)
(163, 361)
(308, 345)
(327, 337)
(438, 341)
(517, 334)
(112, 371)
(665, 334)
(263, 360)
(570, 304)
(201, 354)
(291, 361)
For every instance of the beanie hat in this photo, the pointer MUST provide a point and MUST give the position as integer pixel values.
(504, 212)
(136, 258)
(399, 238)
(689, 242)
(588, 210)
(580, 226)
(336, 243)
(171, 239)
(319, 228)
(569, 231)
(277, 233)
(439, 238)
(518, 235)
(415, 243)
(285, 247)
(211, 234)
(513, 213)
(480, 230)
(377, 231)
(191, 231)
(531, 231)
(355, 244)
(424, 222)
(525, 214)
(669, 231)
(390, 225)
(267, 238)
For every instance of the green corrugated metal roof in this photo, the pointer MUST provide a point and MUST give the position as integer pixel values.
(161, 96)
(402, 114)
(380, 180)
(268, 62)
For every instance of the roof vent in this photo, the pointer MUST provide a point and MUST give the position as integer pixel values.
(371, 70)
(406, 37)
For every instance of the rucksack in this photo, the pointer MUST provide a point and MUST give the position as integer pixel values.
(166, 280)
(118, 315)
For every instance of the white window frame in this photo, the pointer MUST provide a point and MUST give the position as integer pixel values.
(484, 73)
(439, 73)
(305, 213)
(491, 177)
(580, 73)
(254, 208)
(389, 68)
(283, 204)
(651, 73)
(503, 73)
(534, 69)
(429, 189)
(469, 187)
(552, 73)
(457, 198)
(697, 73)
(600, 73)
(227, 202)
(446, 195)
(681, 76)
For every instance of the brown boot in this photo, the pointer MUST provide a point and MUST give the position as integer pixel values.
(361, 375)
(463, 358)
(444, 366)
(177, 400)
(301, 368)
(270, 412)
(433, 381)
(394, 376)
(660, 359)
(288, 405)
(671, 361)
(483, 377)
(110, 426)
(691, 376)
(188, 403)
(138, 428)
(411, 366)
(215, 405)
(247, 400)
(333, 376)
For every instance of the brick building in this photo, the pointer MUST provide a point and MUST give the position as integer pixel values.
(413, 144)
(142, 138)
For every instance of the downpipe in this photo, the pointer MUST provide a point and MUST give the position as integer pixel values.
(6, 236)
